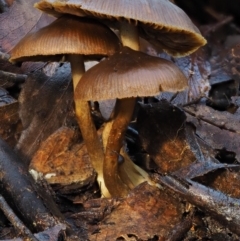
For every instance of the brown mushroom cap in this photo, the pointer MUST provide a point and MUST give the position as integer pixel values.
(130, 74)
(161, 20)
(66, 35)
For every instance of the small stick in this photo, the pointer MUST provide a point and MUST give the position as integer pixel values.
(16, 222)
(12, 78)
(195, 101)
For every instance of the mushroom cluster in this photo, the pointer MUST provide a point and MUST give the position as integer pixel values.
(73, 39)
(128, 73)
(125, 76)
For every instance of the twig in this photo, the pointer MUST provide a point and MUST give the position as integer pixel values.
(195, 101)
(16, 222)
(221, 126)
(12, 78)
(33, 205)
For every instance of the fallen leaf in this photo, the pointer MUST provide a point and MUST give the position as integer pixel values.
(197, 69)
(221, 119)
(220, 130)
(46, 104)
(19, 20)
(145, 214)
(220, 95)
(161, 128)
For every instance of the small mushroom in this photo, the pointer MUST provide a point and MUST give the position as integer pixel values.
(125, 76)
(74, 39)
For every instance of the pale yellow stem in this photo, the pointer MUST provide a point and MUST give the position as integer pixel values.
(114, 131)
(129, 35)
(85, 122)
(122, 116)
(77, 67)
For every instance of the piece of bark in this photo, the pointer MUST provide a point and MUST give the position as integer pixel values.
(197, 169)
(63, 162)
(180, 230)
(35, 208)
(15, 221)
(222, 208)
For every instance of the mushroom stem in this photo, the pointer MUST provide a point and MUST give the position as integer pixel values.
(122, 116)
(129, 35)
(85, 122)
(131, 174)
(116, 128)
(77, 67)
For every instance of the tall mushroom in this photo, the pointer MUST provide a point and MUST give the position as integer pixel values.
(75, 39)
(160, 21)
(125, 76)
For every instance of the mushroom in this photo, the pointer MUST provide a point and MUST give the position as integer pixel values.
(75, 39)
(160, 21)
(125, 76)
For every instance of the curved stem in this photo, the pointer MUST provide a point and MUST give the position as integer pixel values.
(122, 116)
(117, 127)
(131, 174)
(85, 122)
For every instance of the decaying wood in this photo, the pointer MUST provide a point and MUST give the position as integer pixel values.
(222, 208)
(35, 209)
(9, 79)
(16, 222)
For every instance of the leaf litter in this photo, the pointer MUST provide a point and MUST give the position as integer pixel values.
(189, 138)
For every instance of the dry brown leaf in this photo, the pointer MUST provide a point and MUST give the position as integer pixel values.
(146, 213)
(19, 20)
(220, 180)
(197, 69)
(220, 130)
(221, 119)
(162, 133)
(45, 105)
